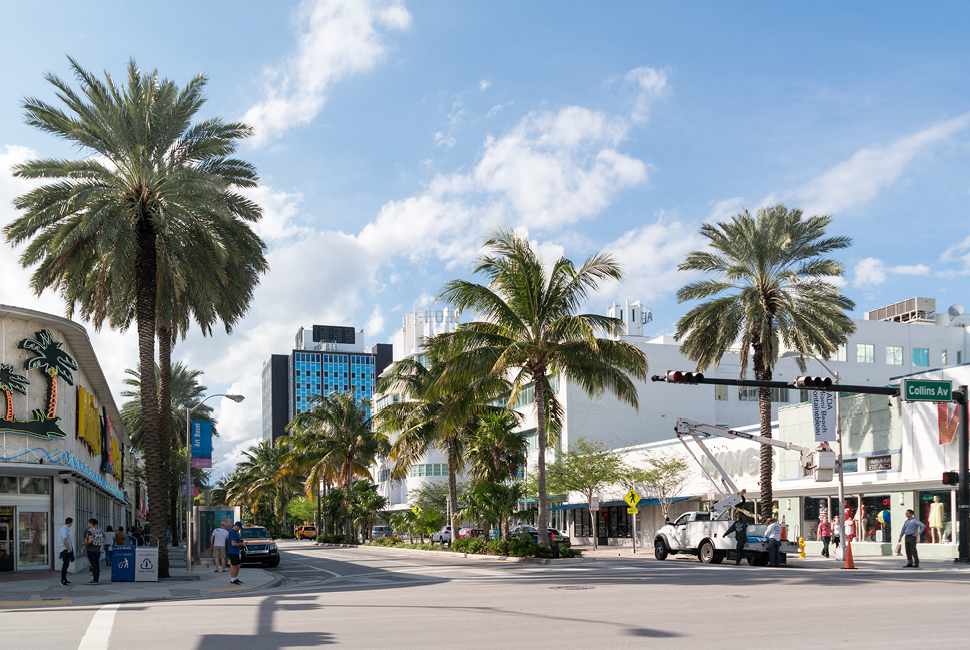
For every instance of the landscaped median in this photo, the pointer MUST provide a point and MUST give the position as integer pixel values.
(522, 549)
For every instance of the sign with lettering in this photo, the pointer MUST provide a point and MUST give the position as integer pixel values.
(823, 416)
(201, 443)
(879, 463)
(948, 422)
(924, 390)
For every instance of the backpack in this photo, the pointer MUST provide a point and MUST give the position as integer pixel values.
(97, 536)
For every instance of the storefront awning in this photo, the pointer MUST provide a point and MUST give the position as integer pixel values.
(616, 504)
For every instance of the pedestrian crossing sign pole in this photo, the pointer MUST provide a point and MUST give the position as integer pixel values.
(632, 499)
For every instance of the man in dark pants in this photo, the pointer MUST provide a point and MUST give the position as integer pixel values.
(740, 529)
(93, 539)
(66, 549)
(773, 533)
(911, 530)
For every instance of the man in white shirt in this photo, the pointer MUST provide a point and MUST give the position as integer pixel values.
(219, 537)
(774, 542)
(65, 549)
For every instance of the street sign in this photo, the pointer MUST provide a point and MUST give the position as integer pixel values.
(632, 499)
(823, 416)
(632, 511)
(924, 390)
(416, 510)
(594, 503)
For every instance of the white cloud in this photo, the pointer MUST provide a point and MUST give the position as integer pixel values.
(726, 208)
(484, 85)
(495, 110)
(859, 179)
(336, 38)
(441, 140)
(375, 324)
(651, 84)
(280, 211)
(871, 272)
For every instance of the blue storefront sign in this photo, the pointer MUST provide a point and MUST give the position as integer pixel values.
(122, 564)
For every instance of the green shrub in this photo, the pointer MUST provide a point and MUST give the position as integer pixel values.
(334, 539)
(569, 552)
(287, 536)
(386, 541)
(474, 545)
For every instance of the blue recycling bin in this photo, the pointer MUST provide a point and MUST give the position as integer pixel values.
(123, 564)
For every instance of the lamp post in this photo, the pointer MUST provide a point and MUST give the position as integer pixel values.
(840, 551)
(188, 472)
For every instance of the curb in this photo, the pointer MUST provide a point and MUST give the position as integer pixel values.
(474, 556)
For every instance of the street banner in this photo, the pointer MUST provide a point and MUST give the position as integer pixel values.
(201, 443)
(823, 415)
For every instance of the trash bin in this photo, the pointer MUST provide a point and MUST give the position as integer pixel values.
(123, 564)
(555, 550)
(146, 564)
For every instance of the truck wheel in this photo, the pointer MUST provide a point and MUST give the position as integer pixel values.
(660, 549)
(759, 559)
(707, 553)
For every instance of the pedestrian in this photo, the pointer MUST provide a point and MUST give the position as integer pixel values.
(93, 540)
(825, 534)
(233, 550)
(773, 533)
(911, 530)
(740, 529)
(219, 537)
(120, 537)
(836, 531)
(66, 549)
(109, 537)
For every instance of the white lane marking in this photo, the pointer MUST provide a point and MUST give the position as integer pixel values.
(99, 631)
(316, 568)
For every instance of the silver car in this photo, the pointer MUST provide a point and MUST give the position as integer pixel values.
(380, 531)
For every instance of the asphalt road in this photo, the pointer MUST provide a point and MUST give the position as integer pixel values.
(361, 598)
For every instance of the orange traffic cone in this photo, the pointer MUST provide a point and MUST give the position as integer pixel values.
(849, 564)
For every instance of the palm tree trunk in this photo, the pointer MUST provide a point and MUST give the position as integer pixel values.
(165, 417)
(764, 407)
(347, 522)
(9, 417)
(452, 490)
(52, 396)
(540, 393)
(146, 267)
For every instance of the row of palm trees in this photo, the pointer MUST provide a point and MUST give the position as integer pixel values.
(150, 228)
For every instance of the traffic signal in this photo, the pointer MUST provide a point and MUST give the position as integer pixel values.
(951, 478)
(816, 383)
(683, 377)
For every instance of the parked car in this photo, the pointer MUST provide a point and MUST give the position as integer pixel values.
(554, 535)
(259, 547)
(307, 531)
(380, 531)
(443, 536)
(470, 532)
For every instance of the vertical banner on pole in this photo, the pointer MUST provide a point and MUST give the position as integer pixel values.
(823, 415)
(201, 443)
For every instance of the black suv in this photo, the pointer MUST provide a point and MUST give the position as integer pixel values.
(259, 547)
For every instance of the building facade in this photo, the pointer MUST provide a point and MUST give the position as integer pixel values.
(64, 451)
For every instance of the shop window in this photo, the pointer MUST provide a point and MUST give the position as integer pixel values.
(894, 355)
(921, 357)
(813, 509)
(934, 511)
(35, 485)
(8, 485)
(720, 393)
(875, 524)
(865, 353)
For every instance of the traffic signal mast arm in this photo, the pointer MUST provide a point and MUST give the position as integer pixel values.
(680, 377)
(810, 458)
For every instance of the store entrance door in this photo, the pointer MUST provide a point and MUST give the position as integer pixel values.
(33, 539)
(7, 530)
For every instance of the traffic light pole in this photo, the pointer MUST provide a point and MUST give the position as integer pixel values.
(963, 489)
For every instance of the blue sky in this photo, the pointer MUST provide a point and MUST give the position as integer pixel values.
(392, 135)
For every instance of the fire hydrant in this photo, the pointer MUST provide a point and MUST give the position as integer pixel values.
(801, 547)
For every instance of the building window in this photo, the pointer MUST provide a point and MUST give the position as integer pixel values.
(779, 395)
(943, 357)
(804, 395)
(839, 354)
(866, 353)
(894, 355)
(921, 357)
(959, 356)
(747, 394)
(720, 393)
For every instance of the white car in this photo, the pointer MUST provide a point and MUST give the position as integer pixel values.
(443, 536)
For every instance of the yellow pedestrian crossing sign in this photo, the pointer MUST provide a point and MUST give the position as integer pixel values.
(632, 498)
(416, 510)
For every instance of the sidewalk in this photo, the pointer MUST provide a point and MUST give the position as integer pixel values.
(43, 588)
(862, 562)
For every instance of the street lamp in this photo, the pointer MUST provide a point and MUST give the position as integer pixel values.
(188, 472)
(840, 551)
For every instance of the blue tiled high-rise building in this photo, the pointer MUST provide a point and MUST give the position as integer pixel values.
(327, 359)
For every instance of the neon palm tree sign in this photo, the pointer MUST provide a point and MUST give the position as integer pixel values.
(54, 362)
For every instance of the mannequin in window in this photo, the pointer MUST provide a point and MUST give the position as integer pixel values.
(936, 521)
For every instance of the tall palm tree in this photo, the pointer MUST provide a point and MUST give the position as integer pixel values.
(334, 441)
(53, 361)
(436, 412)
(153, 197)
(496, 451)
(261, 478)
(772, 290)
(10, 380)
(530, 332)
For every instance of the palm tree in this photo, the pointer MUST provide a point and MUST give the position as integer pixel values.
(9, 380)
(261, 478)
(53, 361)
(496, 450)
(334, 441)
(152, 200)
(530, 332)
(437, 412)
(772, 290)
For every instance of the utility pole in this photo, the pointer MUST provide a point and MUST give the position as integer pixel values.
(963, 489)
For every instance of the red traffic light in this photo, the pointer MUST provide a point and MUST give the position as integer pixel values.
(951, 478)
(813, 382)
(683, 377)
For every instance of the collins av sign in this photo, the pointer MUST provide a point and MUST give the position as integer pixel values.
(923, 390)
